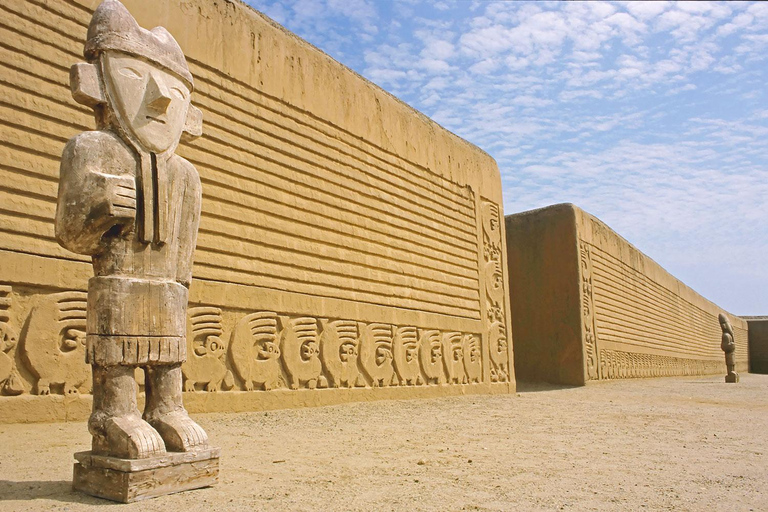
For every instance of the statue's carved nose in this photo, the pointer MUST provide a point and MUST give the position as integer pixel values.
(158, 96)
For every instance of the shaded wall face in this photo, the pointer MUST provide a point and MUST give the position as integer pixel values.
(758, 345)
(629, 318)
(345, 240)
(545, 297)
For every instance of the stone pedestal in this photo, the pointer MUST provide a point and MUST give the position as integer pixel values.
(129, 480)
(732, 377)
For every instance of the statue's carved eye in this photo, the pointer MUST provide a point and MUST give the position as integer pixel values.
(178, 92)
(130, 73)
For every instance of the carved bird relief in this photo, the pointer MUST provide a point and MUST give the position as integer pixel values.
(54, 346)
(376, 353)
(206, 351)
(405, 354)
(473, 357)
(301, 352)
(10, 383)
(431, 356)
(453, 357)
(339, 350)
(255, 351)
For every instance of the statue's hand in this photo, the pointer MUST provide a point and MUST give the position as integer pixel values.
(121, 198)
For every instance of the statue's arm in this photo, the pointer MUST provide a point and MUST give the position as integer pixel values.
(191, 220)
(91, 202)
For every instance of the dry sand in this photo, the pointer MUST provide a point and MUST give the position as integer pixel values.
(657, 444)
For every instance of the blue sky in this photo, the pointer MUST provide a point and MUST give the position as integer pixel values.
(653, 116)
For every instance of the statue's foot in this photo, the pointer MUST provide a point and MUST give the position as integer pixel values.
(128, 437)
(179, 432)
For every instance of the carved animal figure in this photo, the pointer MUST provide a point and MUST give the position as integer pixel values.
(405, 354)
(339, 350)
(431, 356)
(473, 358)
(9, 380)
(301, 352)
(54, 346)
(453, 357)
(206, 351)
(255, 351)
(376, 353)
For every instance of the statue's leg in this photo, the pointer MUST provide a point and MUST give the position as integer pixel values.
(116, 424)
(165, 411)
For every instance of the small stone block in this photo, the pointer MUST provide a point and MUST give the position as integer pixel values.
(127, 480)
(732, 377)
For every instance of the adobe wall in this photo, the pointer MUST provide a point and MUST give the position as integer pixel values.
(758, 343)
(587, 305)
(335, 218)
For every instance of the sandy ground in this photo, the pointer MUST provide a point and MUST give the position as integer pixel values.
(658, 444)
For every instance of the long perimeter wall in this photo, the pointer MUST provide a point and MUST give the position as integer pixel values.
(349, 247)
(587, 305)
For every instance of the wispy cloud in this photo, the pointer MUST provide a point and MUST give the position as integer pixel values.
(650, 115)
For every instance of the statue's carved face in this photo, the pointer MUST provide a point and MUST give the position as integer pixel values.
(150, 102)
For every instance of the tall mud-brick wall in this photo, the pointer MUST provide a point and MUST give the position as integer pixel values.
(349, 247)
(587, 305)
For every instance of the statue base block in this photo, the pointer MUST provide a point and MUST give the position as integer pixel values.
(129, 480)
(732, 377)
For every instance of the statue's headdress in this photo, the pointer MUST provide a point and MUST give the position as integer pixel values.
(113, 28)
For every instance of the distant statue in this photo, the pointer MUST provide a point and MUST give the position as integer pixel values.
(127, 201)
(729, 347)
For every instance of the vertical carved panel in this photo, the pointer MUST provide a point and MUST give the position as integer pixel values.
(494, 292)
(594, 371)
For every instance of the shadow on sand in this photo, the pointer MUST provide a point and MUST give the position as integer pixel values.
(57, 490)
(537, 387)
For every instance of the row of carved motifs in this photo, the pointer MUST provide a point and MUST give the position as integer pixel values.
(615, 364)
(265, 350)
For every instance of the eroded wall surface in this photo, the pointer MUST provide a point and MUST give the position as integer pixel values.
(634, 318)
(349, 247)
(758, 343)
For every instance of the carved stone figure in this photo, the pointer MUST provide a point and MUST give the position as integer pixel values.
(376, 353)
(10, 383)
(728, 344)
(55, 343)
(131, 204)
(453, 357)
(339, 351)
(473, 358)
(405, 354)
(301, 352)
(431, 356)
(255, 350)
(206, 352)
